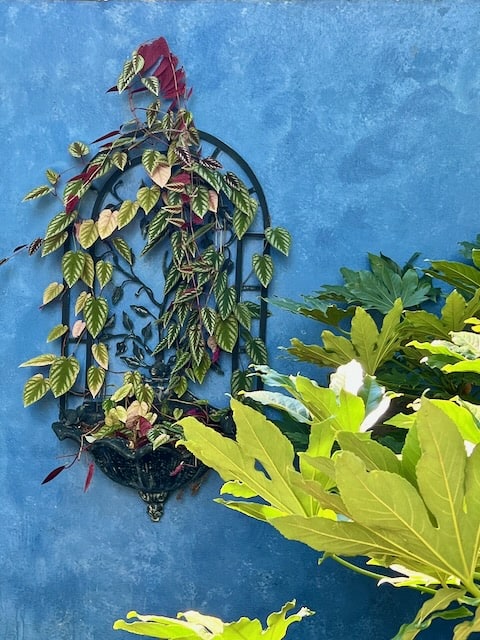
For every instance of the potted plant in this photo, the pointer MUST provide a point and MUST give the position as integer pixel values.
(153, 298)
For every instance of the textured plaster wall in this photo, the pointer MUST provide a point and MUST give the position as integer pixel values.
(361, 119)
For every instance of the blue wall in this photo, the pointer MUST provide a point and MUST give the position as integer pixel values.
(361, 119)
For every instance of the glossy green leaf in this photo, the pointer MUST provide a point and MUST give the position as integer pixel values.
(151, 158)
(35, 388)
(63, 373)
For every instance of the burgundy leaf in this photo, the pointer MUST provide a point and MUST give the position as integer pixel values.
(107, 135)
(151, 52)
(144, 426)
(88, 479)
(19, 248)
(34, 246)
(216, 355)
(177, 469)
(53, 474)
(71, 204)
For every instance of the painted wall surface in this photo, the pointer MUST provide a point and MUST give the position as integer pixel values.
(361, 120)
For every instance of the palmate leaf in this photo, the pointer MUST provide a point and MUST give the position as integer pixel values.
(192, 625)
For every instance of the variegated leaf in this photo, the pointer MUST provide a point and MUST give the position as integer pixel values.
(104, 272)
(107, 223)
(52, 244)
(243, 315)
(119, 159)
(78, 149)
(279, 238)
(152, 84)
(72, 266)
(80, 302)
(95, 380)
(151, 158)
(58, 224)
(148, 197)
(200, 201)
(226, 333)
(38, 192)
(256, 350)
(123, 249)
(95, 312)
(100, 353)
(226, 299)
(44, 360)
(52, 291)
(57, 331)
(127, 212)
(63, 373)
(35, 388)
(209, 319)
(52, 176)
(161, 174)
(263, 268)
(242, 222)
(87, 233)
(88, 273)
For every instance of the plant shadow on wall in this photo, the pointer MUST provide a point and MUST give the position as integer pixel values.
(164, 261)
(386, 462)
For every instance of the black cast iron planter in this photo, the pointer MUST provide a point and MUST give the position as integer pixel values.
(154, 473)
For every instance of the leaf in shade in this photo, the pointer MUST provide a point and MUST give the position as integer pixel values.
(53, 474)
(106, 136)
(88, 479)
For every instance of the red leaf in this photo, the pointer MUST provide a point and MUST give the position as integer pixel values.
(216, 355)
(151, 52)
(53, 474)
(71, 204)
(177, 469)
(107, 135)
(88, 479)
(144, 426)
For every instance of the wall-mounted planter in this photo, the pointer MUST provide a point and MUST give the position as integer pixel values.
(166, 262)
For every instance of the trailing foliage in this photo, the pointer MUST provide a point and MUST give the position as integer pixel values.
(173, 334)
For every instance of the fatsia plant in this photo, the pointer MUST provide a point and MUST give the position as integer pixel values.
(167, 335)
(417, 514)
(191, 625)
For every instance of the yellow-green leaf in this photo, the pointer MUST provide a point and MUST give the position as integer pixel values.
(95, 312)
(107, 223)
(35, 388)
(95, 380)
(63, 373)
(263, 268)
(49, 245)
(59, 223)
(104, 271)
(148, 197)
(126, 213)
(78, 149)
(100, 353)
(39, 361)
(80, 302)
(38, 192)
(88, 273)
(279, 238)
(87, 233)
(73, 263)
(123, 249)
(52, 291)
(119, 159)
(226, 333)
(57, 332)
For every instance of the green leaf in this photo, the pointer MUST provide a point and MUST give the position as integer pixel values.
(127, 212)
(52, 291)
(256, 350)
(59, 223)
(123, 249)
(463, 277)
(104, 272)
(127, 75)
(243, 315)
(152, 84)
(263, 268)
(95, 380)
(199, 201)
(95, 312)
(100, 353)
(279, 238)
(73, 263)
(35, 388)
(49, 245)
(52, 176)
(78, 149)
(63, 373)
(226, 333)
(209, 319)
(38, 192)
(148, 197)
(158, 225)
(242, 222)
(39, 361)
(226, 299)
(57, 331)
(151, 158)
(87, 233)
(88, 273)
